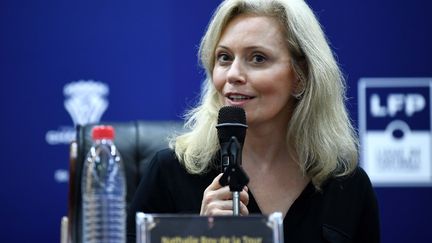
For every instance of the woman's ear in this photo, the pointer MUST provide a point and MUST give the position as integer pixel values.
(299, 84)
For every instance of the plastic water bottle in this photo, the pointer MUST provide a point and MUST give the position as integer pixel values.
(103, 190)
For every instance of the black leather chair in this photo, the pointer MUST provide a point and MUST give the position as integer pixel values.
(137, 142)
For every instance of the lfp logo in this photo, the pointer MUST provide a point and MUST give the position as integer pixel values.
(395, 130)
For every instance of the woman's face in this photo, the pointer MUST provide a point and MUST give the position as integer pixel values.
(253, 69)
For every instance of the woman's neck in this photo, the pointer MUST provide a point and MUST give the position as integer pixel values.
(266, 145)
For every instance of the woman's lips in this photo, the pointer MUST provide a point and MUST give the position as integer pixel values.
(238, 99)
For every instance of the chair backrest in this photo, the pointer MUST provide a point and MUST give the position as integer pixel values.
(137, 142)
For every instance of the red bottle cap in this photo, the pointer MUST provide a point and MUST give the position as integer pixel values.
(103, 132)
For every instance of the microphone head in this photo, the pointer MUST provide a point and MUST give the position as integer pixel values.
(231, 122)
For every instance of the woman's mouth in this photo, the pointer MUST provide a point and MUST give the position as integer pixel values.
(239, 97)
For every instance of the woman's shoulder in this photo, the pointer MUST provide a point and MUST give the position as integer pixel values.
(350, 191)
(354, 188)
(166, 155)
(165, 159)
(352, 195)
(166, 163)
(356, 179)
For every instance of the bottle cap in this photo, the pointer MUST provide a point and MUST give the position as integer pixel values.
(103, 132)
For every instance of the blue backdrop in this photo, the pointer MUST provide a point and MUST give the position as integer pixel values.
(145, 52)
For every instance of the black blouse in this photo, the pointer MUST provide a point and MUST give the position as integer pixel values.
(345, 210)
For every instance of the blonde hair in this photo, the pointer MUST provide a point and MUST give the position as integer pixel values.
(319, 130)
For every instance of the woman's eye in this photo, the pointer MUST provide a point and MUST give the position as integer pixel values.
(223, 58)
(258, 58)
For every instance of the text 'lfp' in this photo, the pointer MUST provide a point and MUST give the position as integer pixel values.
(409, 103)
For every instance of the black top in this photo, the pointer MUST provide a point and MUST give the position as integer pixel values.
(345, 210)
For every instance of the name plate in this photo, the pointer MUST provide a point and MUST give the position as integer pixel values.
(169, 228)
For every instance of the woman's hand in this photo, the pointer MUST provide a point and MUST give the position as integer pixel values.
(217, 200)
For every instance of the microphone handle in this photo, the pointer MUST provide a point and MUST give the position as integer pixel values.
(236, 203)
(225, 158)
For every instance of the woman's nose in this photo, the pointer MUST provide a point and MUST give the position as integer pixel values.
(236, 72)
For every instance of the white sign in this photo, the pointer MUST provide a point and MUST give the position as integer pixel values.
(85, 101)
(395, 130)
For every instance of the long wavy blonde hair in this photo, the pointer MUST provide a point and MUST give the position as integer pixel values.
(320, 130)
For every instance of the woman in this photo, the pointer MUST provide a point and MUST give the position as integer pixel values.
(271, 58)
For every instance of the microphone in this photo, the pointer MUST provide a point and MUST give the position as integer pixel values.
(231, 123)
(231, 133)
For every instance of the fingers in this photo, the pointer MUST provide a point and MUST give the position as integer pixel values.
(224, 208)
(244, 211)
(215, 183)
(217, 200)
(244, 201)
(220, 207)
(244, 196)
